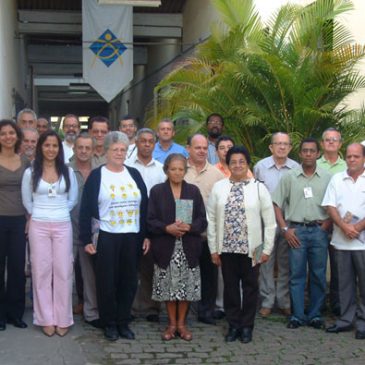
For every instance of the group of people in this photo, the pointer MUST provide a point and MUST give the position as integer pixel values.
(151, 221)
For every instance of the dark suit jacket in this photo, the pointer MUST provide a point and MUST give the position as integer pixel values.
(161, 213)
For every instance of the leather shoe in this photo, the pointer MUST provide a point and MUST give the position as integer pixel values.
(293, 324)
(111, 333)
(152, 318)
(2, 325)
(233, 334)
(207, 320)
(218, 314)
(17, 322)
(246, 335)
(360, 335)
(336, 329)
(316, 323)
(126, 332)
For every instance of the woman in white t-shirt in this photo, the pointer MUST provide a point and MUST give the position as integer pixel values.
(115, 196)
(49, 192)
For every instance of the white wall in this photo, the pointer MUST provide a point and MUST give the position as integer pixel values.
(9, 60)
(355, 21)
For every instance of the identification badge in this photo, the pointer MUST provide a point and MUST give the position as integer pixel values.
(52, 191)
(308, 193)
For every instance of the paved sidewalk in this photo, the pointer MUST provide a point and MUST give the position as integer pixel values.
(273, 344)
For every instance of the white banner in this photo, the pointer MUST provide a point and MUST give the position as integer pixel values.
(107, 38)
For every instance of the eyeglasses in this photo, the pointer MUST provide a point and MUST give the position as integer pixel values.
(332, 139)
(283, 144)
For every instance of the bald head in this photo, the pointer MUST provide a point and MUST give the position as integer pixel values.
(198, 149)
(355, 159)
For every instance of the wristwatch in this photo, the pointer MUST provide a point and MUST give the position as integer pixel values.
(284, 229)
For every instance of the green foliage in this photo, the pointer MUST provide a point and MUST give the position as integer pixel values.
(290, 74)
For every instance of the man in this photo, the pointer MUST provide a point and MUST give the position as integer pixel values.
(27, 118)
(43, 125)
(129, 126)
(300, 191)
(270, 170)
(82, 166)
(345, 201)
(332, 162)
(215, 125)
(152, 174)
(166, 145)
(204, 176)
(331, 144)
(98, 128)
(71, 128)
(29, 144)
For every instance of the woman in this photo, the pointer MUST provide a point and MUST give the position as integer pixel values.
(115, 196)
(12, 226)
(49, 190)
(237, 207)
(176, 244)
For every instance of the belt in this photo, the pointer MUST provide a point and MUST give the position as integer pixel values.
(307, 224)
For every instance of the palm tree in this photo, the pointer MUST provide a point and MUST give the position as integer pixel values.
(289, 74)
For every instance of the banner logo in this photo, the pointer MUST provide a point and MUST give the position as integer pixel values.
(108, 48)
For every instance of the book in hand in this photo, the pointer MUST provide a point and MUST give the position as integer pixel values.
(257, 253)
(184, 210)
(350, 218)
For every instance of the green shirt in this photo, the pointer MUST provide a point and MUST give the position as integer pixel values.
(291, 193)
(338, 166)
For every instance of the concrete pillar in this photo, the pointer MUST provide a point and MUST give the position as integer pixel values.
(9, 61)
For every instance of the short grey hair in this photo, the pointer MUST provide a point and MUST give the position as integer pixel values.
(146, 130)
(28, 111)
(115, 137)
(86, 135)
(166, 120)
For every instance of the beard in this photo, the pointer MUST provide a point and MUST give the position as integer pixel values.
(214, 133)
(70, 137)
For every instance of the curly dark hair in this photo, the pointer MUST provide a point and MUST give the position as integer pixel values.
(18, 131)
(61, 168)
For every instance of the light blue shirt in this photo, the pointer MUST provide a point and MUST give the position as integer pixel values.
(160, 154)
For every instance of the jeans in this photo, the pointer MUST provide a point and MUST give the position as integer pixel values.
(312, 253)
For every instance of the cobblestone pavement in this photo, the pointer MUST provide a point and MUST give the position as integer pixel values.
(273, 343)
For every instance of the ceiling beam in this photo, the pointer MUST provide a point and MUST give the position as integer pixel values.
(66, 22)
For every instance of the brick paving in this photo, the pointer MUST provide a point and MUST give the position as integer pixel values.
(272, 343)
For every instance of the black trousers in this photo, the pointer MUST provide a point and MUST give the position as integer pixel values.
(12, 257)
(237, 271)
(116, 276)
(209, 283)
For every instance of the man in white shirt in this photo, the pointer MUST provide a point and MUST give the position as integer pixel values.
(152, 174)
(129, 126)
(71, 128)
(269, 171)
(345, 202)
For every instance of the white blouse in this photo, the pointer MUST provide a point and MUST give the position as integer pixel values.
(50, 202)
